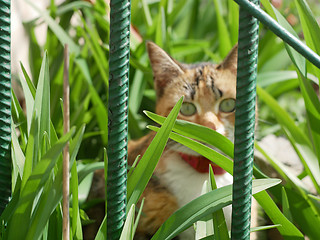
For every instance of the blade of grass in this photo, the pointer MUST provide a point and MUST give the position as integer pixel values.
(57, 29)
(143, 172)
(286, 228)
(32, 150)
(138, 215)
(102, 232)
(224, 37)
(21, 217)
(193, 131)
(219, 221)
(285, 205)
(299, 140)
(310, 28)
(18, 158)
(203, 206)
(127, 231)
(71, 6)
(205, 151)
(262, 228)
(305, 215)
(76, 228)
(42, 99)
(312, 105)
(201, 226)
(233, 19)
(265, 79)
(52, 193)
(99, 107)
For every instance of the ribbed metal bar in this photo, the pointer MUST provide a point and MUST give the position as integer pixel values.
(244, 123)
(118, 116)
(277, 29)
(5, 105)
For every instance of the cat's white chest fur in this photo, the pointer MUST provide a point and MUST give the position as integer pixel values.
(186, 183)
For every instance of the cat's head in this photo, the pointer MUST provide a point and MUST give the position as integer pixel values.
(209, 90)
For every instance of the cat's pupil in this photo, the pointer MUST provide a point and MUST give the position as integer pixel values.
(188, 109)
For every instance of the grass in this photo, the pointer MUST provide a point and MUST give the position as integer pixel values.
(190, 31)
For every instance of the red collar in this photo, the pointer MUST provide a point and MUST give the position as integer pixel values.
(201, 164)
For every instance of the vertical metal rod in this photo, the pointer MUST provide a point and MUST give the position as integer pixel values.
(66, 154)
(118, 116)
(244, 124)
(5, 105)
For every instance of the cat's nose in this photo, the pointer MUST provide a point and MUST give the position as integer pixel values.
(210, 120)
(211, 125)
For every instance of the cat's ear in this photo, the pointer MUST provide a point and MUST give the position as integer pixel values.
(163, 66)
(230, 62)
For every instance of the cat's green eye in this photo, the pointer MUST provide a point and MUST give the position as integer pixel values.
(188, 109)
(227, 105)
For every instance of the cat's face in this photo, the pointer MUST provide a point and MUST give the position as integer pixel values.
(209, 90)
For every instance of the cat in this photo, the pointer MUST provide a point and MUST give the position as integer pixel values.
(209, 92)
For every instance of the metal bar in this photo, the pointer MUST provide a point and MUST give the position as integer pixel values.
(248, 41)
(118, 116)
(5, 105)
(281, 32)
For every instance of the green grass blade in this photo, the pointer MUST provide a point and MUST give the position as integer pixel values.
(286, 228)
(204, 228)
(71, 6)
(146, 12)
(285, 205)
(299, 140)
(29, 81)
(42, 99)
(143, 172)
(203, 206)
(262, 228)
(312, 104)
(89, 168)
(198, 132)
(18, 158)
(205, 151)
(224, 37)
(99, 55)
(99, 107)
(219, 221)
(59, 32)
(311, 29)
(265, 79)
(233, 19)
(304, 214)
(105, 161)
(296, 57)
(102, 232)
(138, 215)
(52, 193)
(32, 150)
(21, 217)
(127, 231)
(161, 28)
(76, 228)
(29, 95)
